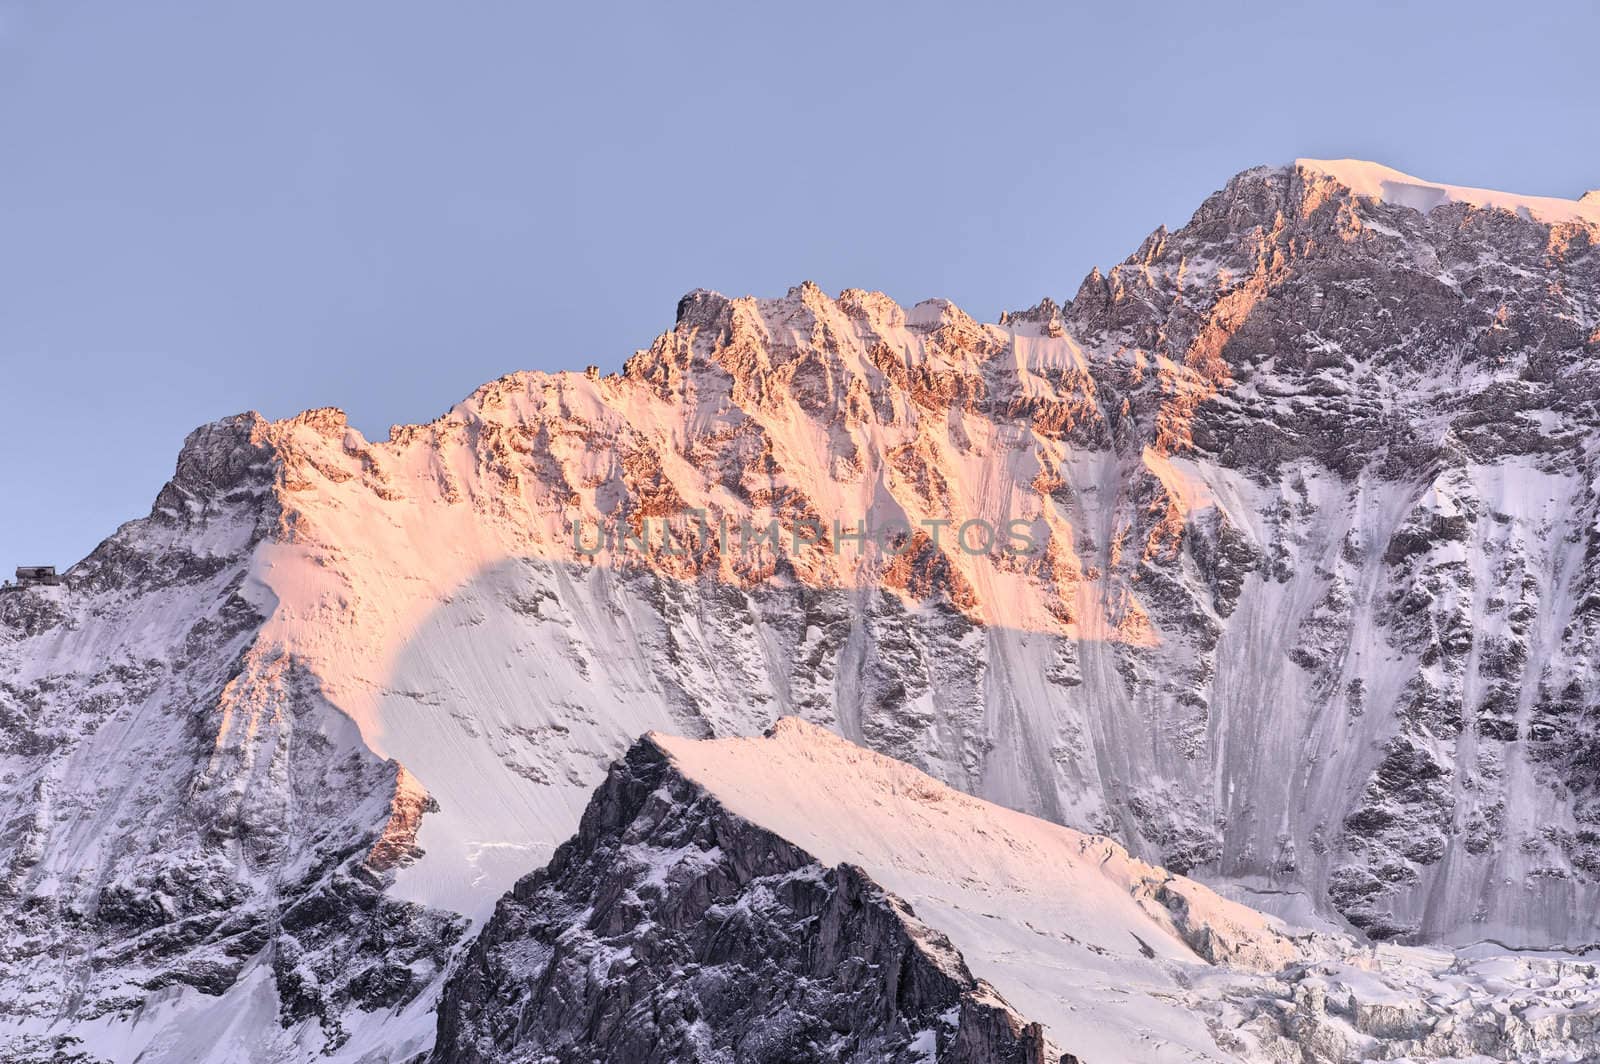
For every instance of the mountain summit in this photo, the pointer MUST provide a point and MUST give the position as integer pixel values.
(1381, 183)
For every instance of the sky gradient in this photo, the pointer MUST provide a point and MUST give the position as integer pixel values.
(209, 208)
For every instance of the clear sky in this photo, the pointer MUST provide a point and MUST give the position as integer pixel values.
(208, 207)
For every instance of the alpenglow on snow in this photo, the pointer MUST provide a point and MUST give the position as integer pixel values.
(1285, 744)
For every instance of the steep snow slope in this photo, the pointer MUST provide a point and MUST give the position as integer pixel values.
(1069, 929)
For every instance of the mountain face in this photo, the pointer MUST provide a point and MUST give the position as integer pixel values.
(670, 929)
(797, 898)
(185, 813)
(1308, 611)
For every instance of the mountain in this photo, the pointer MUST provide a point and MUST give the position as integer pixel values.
(1270, 554)
(800, 898)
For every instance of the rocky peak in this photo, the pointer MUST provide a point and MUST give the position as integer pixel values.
(669, 929)
(216, 461)
(700, 308)
(1043, 318)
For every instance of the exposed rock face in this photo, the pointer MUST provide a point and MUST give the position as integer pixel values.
(669, 930)
(1416, 394)
(1314, 610)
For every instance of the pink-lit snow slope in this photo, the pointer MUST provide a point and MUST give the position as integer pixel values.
(1378, 182)
(1069, 928)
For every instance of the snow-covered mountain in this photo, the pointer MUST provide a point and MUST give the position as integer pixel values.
(798, 898)
(1311, 618)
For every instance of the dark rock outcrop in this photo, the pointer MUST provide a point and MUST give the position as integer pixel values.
(670, 930)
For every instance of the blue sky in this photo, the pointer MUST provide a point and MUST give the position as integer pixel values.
(213, 207)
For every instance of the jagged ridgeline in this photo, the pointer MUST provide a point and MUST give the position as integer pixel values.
(1312, 615)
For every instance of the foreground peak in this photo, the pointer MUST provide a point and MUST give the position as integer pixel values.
(1388, 185)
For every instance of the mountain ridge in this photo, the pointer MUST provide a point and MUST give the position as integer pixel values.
(1318, 480)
